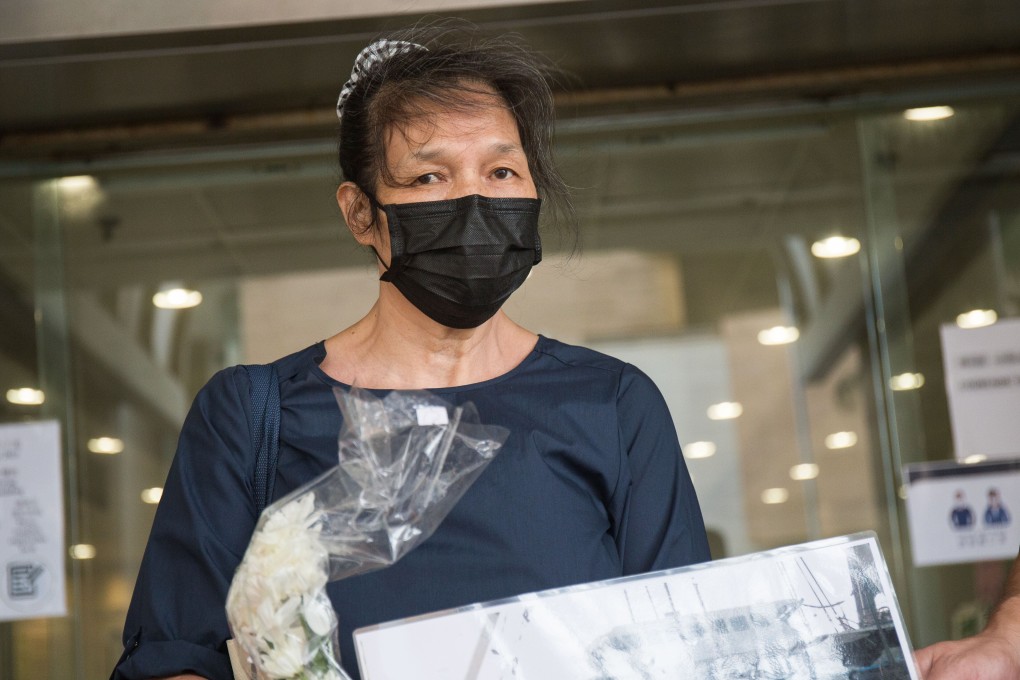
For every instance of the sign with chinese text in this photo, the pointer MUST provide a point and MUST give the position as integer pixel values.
(982, 368)
(31, 522)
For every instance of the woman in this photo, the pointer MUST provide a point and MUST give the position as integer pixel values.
(445, 151)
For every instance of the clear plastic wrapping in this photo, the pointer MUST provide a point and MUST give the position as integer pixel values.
(404, 461)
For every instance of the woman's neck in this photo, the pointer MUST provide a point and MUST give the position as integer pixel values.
(397, 347)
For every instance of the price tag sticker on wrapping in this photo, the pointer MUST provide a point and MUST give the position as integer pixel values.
(432, 415)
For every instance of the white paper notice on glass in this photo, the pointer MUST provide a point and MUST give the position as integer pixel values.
(963, 513)
(982, 367)
(31, 522)
(820, 610)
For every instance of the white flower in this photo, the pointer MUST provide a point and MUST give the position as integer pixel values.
(286, 659)
(277, 602)
(319, 615)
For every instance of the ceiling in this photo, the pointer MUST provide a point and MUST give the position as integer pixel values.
(818, 48)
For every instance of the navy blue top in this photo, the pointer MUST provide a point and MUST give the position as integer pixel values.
(590, 485)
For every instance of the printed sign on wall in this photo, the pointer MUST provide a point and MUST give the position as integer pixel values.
(963, 513)
(31, 522)
(982, 368)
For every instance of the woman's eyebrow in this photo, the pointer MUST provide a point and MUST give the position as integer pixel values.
(431, 154)
(423, 154)
(505, 148)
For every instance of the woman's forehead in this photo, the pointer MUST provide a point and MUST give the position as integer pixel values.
(489, 127)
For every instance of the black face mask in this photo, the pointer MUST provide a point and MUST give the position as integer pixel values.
(459, 260)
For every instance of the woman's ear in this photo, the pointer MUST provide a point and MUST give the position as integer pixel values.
(357, 212)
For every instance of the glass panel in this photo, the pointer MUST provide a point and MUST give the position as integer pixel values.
(758, 343)
(945, 208)
(18, 363)
(704, 264)
(33, 358)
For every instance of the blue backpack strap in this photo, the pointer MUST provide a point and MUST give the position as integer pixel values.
(265, 429)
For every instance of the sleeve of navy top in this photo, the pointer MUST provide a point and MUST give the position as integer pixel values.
(176, 622)
(659, 524)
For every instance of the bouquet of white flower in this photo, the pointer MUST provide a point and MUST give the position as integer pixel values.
(404, 462)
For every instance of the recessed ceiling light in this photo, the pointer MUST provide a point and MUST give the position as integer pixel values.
(804, 471)
(926, 113)
(106, 445)
(26, 396)
(976, 318)
(725, 410)
(835, 246)
(77, 183)
(906, 381)
(152, 495)
(82, 551)
(775, 496)
(177, 298)
(976, 458)
(778, 335)
(840, 440)
(699, 450)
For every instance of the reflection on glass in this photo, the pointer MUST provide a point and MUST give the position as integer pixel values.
(77, 183)
(840, 440)
(26, 396)
(906, 381)
(928, 113)
(152, 495)
(778, 335)
(775, 496)
(83, 551)
(106, 445)
(725, 410)
(699, 450)
(177, 298)
(803, 471)
(976, 318)
(835, 247)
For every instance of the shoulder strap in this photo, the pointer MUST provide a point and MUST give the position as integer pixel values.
(265, 429)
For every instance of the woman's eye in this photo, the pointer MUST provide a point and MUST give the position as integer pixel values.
(427, 178)
(503, 173)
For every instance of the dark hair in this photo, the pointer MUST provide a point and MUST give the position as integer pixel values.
(457, 66)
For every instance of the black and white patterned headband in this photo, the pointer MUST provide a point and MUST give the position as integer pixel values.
(376, 53)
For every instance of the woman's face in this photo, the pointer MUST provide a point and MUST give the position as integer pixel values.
(449, 155)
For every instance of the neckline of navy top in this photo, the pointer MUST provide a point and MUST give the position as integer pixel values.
(318, 355)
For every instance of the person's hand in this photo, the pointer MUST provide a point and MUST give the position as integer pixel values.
(982, 657)
(994, 654)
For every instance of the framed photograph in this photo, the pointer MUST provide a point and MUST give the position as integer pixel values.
(815, 611)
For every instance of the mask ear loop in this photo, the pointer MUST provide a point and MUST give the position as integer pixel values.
(396, 263)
